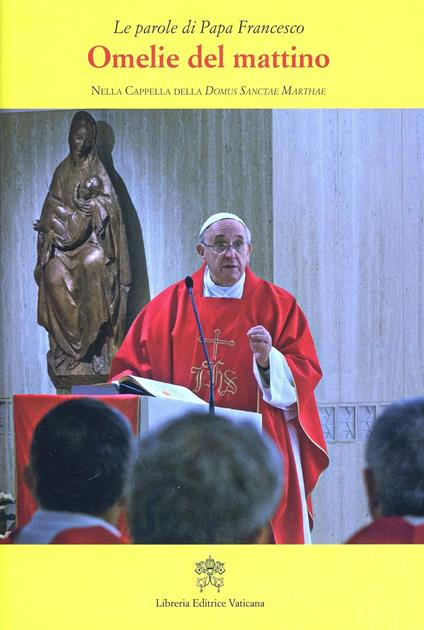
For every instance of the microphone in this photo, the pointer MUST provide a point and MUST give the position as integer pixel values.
(189, 284)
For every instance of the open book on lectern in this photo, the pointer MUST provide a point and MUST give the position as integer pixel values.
(130, 384)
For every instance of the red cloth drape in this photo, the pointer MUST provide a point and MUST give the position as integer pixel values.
(28, 409)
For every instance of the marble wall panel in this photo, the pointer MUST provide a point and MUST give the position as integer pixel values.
(370, 255)
(7, 459)
(413, 251)
(305, 184)
(340, 502)
(180, 167)
(29, 155)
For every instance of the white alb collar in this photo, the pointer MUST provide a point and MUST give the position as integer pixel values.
(210, 289)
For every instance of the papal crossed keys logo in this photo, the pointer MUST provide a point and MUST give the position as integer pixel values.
(212, 571)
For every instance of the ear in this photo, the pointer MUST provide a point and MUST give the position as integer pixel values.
(372, 492)
(263, 536)
(111, 515)
(29, 479)
(200, 249)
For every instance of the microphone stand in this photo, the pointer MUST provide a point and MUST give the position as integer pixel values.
(189, 284)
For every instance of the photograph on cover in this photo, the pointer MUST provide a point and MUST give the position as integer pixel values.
(102, 211)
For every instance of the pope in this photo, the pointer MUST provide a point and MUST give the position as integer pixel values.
(262, 353)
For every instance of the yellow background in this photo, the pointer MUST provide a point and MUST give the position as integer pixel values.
(376, 61)
(314, 587)
(376, 52)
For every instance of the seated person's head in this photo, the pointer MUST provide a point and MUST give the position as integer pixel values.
(79, 459)
(395, 461)
(204, 479)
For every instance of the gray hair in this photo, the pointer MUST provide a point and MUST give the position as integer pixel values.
(395, 455)
(204, 479)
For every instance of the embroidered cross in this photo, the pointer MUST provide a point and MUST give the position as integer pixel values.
(216, 342)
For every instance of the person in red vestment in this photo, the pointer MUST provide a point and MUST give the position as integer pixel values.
(78, 471)
(263, 358)
(394, 476)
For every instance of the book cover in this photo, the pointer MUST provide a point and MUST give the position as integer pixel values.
(289, 113)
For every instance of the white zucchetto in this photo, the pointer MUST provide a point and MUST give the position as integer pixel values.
(219, 216)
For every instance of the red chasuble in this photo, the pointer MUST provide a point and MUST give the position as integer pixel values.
(389, 530)
(163, 343)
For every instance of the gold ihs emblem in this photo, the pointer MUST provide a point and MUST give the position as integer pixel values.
(224, 380)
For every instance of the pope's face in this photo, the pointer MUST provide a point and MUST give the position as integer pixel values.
(228, 267)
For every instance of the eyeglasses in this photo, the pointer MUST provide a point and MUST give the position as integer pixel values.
(221, 248)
